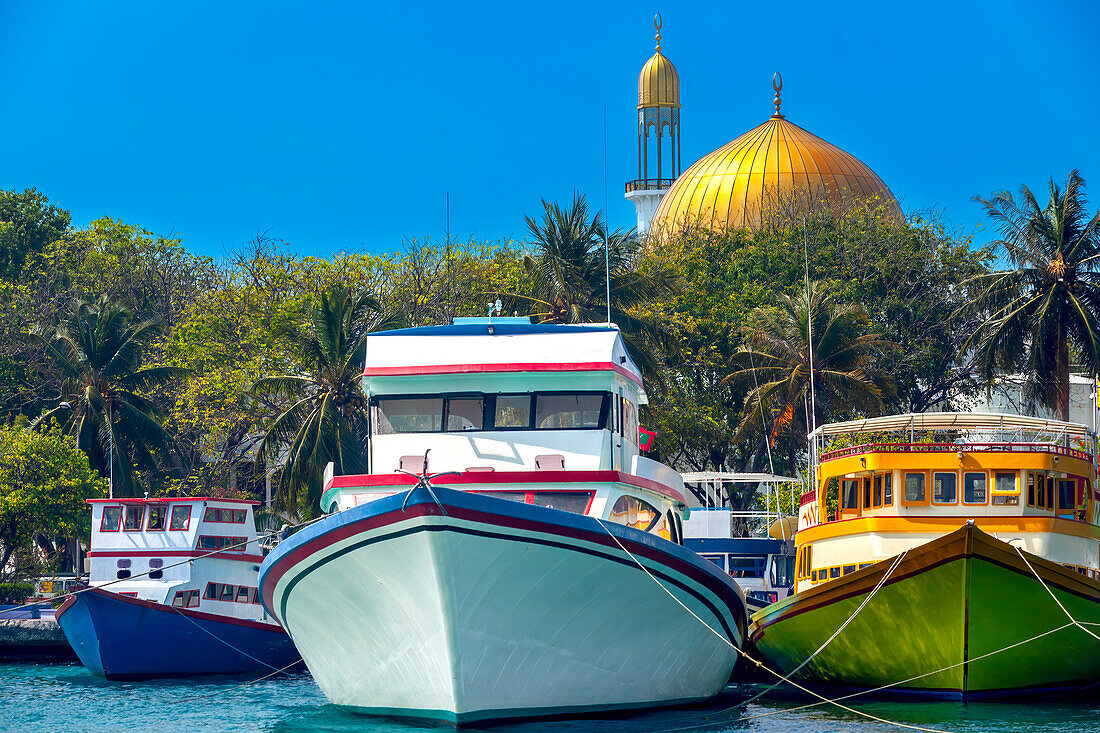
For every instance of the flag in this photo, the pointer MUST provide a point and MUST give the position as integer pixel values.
(645, 438)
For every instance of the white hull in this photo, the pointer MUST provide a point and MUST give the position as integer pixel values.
(455, 619)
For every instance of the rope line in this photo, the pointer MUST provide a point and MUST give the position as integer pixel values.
(218, 638)
(238, 687)
(860, 607)
(758, 663)
(164, 567)
(1042, 582)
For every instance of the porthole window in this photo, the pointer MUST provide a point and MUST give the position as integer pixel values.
(633, 512)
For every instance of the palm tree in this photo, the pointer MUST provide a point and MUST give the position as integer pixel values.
(1046, 305)
(327, 420)
(99, 351)
(569, 275)
(774, 364)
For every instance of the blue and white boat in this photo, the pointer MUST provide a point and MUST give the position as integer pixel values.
(544, 575)
(162, 616)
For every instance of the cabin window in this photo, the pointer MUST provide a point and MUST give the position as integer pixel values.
(782, 565)
(180, 600)
(158, 516)
(944, 488)
(813, 575)
(1050, 493)
(210, 542)
(465, 413)
(112, 515)
(181, 517)
(1067, 496)
(228, 591)
(888, 489)
(866, 493)
(1031, 488)
(633, 512)
(878, 491)
(915, 490)
(512, 412)
(243, 593)
(134, 514)
(568, 501)
(834, 572)
(255, 595)
(865, 565)
(228, 516)
(741, 566)
(520, 496)
(1005, 490)
(849, 494)
(630, 421)
(719, 560)
(849, 569)
(568, 411)
(974, 488)
(211, 592)
(408, 415)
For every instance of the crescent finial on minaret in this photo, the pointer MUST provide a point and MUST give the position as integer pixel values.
(657, 23)
(777, 85)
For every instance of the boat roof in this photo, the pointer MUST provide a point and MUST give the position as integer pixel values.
(737, 478)
(952, 421)
(163, 499)
(482, 345)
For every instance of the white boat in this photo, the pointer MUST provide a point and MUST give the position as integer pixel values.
(173, 592)
(545, 576)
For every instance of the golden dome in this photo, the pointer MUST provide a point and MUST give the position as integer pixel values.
(740, 183)
(658, 84)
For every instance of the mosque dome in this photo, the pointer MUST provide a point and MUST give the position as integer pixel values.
(658, 83)
(741, 183)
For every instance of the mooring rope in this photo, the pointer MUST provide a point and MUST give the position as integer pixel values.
(218, 693)
(860, 607)
(1042, 582)
(758, 663)
(163, 567)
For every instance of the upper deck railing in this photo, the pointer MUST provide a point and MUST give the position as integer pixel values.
(1000, 447)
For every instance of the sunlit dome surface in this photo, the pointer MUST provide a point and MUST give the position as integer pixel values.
(777, 163)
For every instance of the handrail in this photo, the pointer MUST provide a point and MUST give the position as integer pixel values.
(865, 448)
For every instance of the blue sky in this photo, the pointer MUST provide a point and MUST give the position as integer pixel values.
(342, 126)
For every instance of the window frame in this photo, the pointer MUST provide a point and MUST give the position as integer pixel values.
(234, 541)
(932, 489)
(1032, 481)
(849, 482)
(172, 514)
(905, 500)
(141, 519)
(995, 493)
(1072, 509)
(488, 410)
(876, 491)
(149, 517)
(103, 518)
(962, 493)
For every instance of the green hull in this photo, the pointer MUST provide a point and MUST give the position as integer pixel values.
(948, 604)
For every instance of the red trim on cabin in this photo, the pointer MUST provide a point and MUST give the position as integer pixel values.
(178, 553)
(580, 366)
(367, 481)
(273, 627)
(807, 497)
(161, 499)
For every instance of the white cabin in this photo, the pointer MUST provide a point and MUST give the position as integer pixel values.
(141, 547)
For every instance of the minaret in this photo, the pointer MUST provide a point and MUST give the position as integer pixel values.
(658, 134)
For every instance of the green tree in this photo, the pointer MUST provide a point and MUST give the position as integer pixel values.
(1046, 305)
(775, 364)
(327, 421)
(44, 483)
(97, 352)
(569, 275)
(28, 223)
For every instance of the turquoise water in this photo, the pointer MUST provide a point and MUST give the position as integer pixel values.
(67, 698)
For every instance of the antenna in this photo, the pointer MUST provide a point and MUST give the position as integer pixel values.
(606, 255)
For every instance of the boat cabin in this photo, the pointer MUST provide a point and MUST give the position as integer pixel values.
(887, 484)
(540, 413)
(141, 547)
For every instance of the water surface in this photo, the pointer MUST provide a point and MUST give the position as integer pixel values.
(68, 698)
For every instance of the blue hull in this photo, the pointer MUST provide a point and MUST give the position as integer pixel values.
(124, 639)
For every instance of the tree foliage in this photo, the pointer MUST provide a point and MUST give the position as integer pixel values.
(44, 483)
